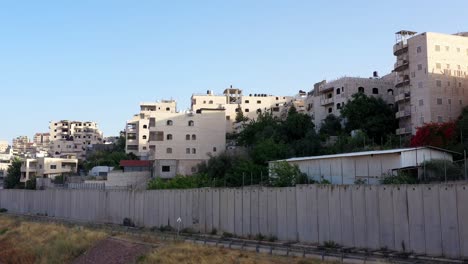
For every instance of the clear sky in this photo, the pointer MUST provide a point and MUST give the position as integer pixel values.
(96, 60)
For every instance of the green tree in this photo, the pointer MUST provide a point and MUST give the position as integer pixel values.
(284, 174)
(12, 180)
(370, 114)
(240, 118)
(331, 126)
(31, 184)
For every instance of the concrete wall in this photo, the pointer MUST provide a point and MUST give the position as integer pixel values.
(426, 219)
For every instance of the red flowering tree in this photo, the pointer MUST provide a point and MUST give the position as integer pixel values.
(434, 134)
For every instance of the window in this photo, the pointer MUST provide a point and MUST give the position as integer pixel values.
(194, 151)
(169, 137)
(420, 85)
(338, 91)
(194, 137)
(53, 167)
(330, 110)
(437, 47)
(418, 49)
(375, 90)
(169, 150)
(166, 168)
(246, 101)
(259, 111)
(419, 67)
(390, 91)
(438, 66)
(187, 151)
(168, 109)
(169, 122)
(228, 117)
(187, 137)
(360, 89)
(421, 102)
(421, 120)
(214, 149)
(191, 123)
(439, 101)
(246, 110)
(144, 148)
(440, 119)
(338, 106)
(144, 137)
(461, 102)
(210, 102)
(449, 101)
(259, 102)
(438, 83)
(413, 74)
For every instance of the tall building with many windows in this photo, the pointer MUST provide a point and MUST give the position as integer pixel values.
(175, 141)
(73, 138)
(432, 78)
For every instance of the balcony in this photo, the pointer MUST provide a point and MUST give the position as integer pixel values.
(400, 48)
(403, 81)
(403, 113)
(403, 131)
(403, 97)
(324, 89)
(326, 101)
(401, 65)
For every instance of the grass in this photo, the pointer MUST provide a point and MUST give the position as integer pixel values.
(181, 253)
(30, 242)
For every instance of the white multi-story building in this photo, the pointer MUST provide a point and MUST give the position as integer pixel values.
(232, 100)
(6, 154)
(432, 78)
(73, 138)
(47, 168)
(176, 141)
(329, 97)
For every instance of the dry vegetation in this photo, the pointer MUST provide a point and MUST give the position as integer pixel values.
(29, 242)
(181, 253)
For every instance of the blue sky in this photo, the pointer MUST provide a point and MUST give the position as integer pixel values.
(96, 60)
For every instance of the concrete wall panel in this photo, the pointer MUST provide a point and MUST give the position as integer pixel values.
(386, 217)
(238, 212)
(263, 211)
(334, 208)
(449, 223)
(246, 212)
(272, 211)
(208, 210)
(401, 223)
(416, 219)
(323, 213)
(291, 214)
(216, 210)
(432, 220)
(372, 217)
(254, 211)
(359, 215)
(347, 217)
(462, 199)
(281, 214)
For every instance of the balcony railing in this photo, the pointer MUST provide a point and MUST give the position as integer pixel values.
(403, 81)
(403, 131)
(403, 96)
(400, 48)
(326, 101)
(401, 65)
(403, 113)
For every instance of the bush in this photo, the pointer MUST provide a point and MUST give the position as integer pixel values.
(272, 238)
(214, 231)
(3, 210)
(285, 175)
(166, 228)
(128, 222)
(59, 180)
(435, 170)
(227, 235)
(360, 181)
(31, 184)
(331, 244)
(400, 178)
(259, 237)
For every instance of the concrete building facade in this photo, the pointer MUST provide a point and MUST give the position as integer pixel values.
(73, 138)
(329, 97)
(432, 78)
(175, 141)
(47, 168)
(233, 100)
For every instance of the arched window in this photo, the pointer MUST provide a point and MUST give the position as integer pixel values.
(330, 110)
(144, 136)
(145, 126)
(187, 137)
(210, 102)
(338, 91)
(338, 106)
(390, 91)
(169, 137)
(375, 90)
(169, 122)
(169, 150)
(214, 149)
(360, 89)
(194, 137)
(191, 123)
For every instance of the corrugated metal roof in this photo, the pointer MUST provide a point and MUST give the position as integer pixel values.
(362, 153)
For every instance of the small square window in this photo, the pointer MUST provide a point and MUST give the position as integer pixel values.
(187, 151)
(421, 102)
(246, 101)
(259, 102)
(418, 49)
(419, 67)
(166, 168)
(439, 101)
(438, 83)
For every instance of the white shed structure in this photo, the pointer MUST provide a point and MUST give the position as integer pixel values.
(346, 168)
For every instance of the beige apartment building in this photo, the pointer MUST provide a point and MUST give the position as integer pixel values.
(233, 100)
(47, 168)
(329, 97)
(432, 78)
(73, 138)
(23, 147)
(176, 141)
(6, 154)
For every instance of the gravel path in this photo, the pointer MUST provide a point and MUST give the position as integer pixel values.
(113, 251)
